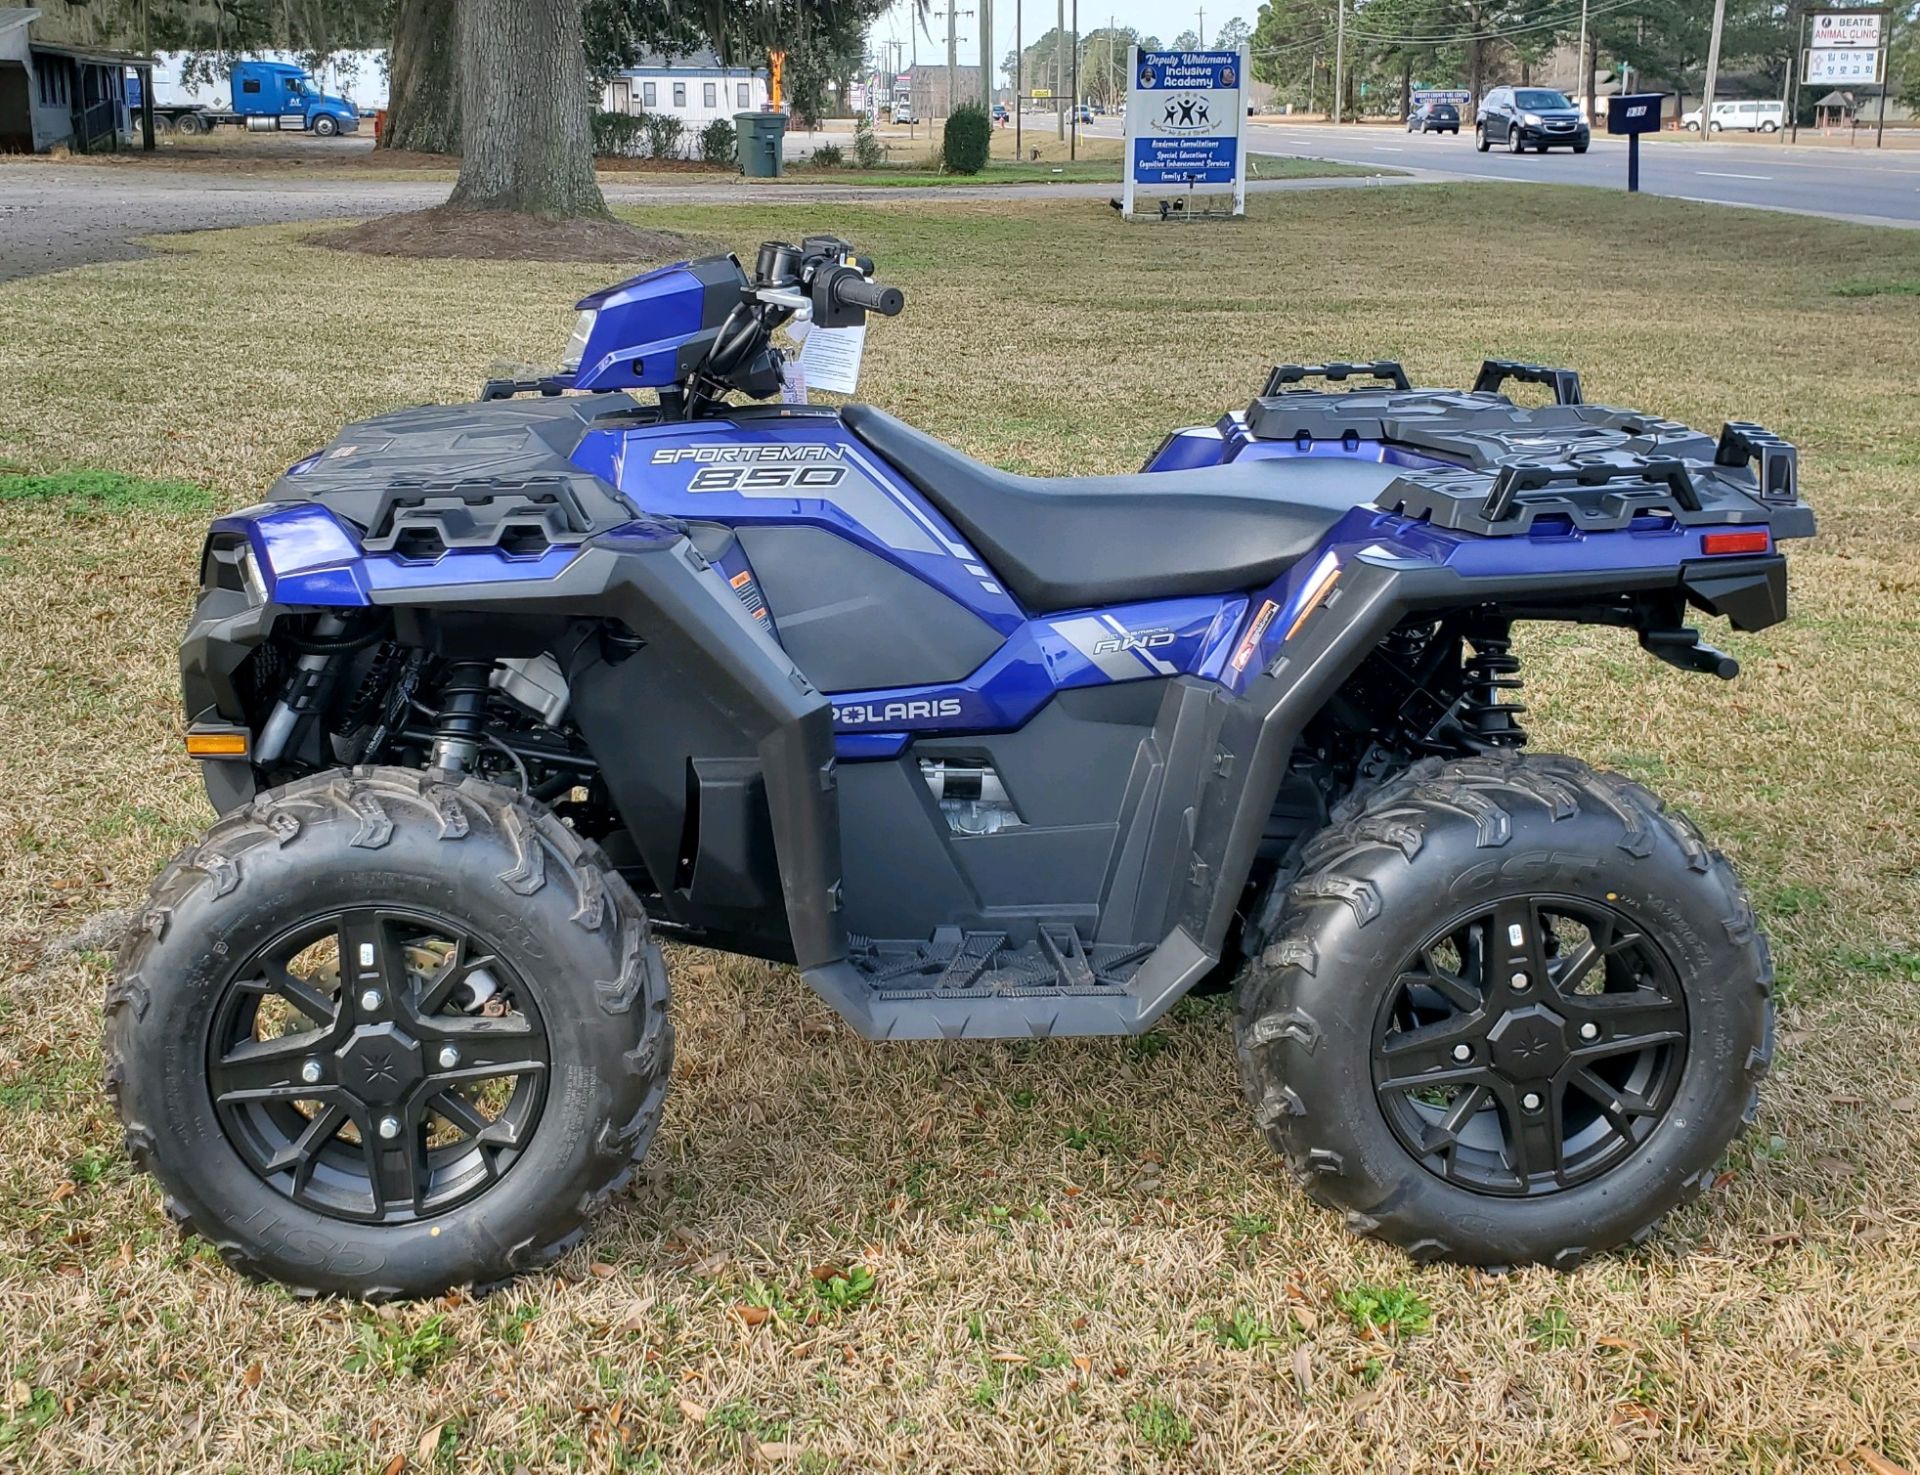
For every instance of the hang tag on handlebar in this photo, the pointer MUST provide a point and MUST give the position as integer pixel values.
(793, 373)
(830, 358)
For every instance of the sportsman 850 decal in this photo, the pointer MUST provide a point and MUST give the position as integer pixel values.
(766, 478)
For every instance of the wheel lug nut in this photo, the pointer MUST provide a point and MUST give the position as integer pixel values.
(370, 1000)
(1520, 981)
(1531, 1101)
(1589, 1031)
(449, 1057)
(389, 1127)
(1463, 1053)
(310, 1072)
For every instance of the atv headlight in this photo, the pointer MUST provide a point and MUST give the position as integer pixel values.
(577, 341)
(1532, 120)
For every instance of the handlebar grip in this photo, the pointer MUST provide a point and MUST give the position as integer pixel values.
(856, 291)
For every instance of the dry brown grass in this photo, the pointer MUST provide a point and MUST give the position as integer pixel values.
(1061, 1236)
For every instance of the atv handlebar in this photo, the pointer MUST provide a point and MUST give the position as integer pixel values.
(850, 290)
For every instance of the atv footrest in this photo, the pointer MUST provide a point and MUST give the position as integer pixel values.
(988, 964)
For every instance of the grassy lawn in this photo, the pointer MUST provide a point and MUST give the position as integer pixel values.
(1082, 1258)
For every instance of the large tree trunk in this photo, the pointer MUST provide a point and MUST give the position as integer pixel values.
(423, 108)
(527, 142)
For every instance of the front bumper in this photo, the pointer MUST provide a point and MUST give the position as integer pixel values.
(1552, 136)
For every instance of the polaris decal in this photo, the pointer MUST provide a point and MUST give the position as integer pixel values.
(870, 714)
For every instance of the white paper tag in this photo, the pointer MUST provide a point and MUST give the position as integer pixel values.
(793, 374)
(830, 358)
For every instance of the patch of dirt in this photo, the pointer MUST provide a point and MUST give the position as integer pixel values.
(503, 235)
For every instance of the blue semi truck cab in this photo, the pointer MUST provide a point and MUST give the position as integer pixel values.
(267, 96)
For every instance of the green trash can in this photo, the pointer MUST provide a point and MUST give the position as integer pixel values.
(760, 140)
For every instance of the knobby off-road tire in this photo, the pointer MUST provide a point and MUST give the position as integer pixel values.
(539, 911)
(1453, 840)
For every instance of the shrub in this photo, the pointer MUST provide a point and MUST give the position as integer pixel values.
(617, 133)
(968, 136)
(828, 156)
(867, 150)
(663, 132)
(718, 143)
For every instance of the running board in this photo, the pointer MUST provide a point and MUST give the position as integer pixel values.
(977, 986)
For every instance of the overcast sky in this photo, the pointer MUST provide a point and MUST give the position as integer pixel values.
(1163, 18)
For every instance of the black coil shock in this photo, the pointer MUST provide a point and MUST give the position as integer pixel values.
(459, 730)
(1490, 671)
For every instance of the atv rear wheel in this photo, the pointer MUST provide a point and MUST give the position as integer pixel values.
(381, 1034)
(1513, 1012)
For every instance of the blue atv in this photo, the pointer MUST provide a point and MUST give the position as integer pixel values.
(493, 697)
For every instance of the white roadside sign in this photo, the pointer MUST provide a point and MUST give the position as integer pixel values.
(1846, 28)
(1186, 112)
(1844, 64)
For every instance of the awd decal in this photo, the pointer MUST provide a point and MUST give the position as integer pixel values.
(882, 714)
(1135, 640)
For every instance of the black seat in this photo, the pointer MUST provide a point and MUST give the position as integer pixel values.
(1074, 542)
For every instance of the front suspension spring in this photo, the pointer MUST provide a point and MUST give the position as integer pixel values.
(1492, 669)
(462, 723)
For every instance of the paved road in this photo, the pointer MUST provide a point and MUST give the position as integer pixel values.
(1872, 186)
(54, 215)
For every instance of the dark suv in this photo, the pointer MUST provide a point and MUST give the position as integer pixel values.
(1434, 117)
(1521, 117)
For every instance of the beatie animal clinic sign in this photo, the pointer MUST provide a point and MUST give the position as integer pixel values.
(1185, 115)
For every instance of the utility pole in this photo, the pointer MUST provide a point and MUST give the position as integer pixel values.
(1340, 65)
(1793, 92)
(1201, 29)
(1059, 69)
(953, 16)
(1713, 68)
(1586, 72)
(986, 54)
(1073, 146)
(1018, 79)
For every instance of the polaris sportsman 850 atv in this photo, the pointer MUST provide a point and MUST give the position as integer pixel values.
(491, 696)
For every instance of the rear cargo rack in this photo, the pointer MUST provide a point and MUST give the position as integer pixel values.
(1599, 495)
(1564, 383)
(1778, 471)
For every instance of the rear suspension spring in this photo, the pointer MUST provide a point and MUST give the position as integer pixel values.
(1492, 669)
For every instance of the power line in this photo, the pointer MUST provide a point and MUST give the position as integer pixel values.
(1383, 38)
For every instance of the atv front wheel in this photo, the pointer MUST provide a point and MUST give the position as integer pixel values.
(1514, 1011)
(381, 1035)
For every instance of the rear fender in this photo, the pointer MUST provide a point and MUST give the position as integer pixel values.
(1313, 628)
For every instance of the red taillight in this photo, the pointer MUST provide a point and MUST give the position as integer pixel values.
(1754, 541)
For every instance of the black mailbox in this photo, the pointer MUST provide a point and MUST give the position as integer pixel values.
(1635, 112)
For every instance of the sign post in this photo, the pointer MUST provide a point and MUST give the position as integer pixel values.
(1632, 114)
(1185, 119)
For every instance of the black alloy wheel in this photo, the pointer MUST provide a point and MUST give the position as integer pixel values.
(375, 1065)
(1530, 1046)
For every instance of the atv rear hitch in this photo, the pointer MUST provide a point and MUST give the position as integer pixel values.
(1686, 651)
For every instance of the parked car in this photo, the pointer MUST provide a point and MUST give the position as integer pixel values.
(903, 113)
(1001, 117)
(1753, 115)
(1434, 117)
(1530, 117)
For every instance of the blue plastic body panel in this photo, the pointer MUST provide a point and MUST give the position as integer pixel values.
(808, 470)
(639, 328)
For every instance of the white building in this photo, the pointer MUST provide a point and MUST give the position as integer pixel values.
(695, 89)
